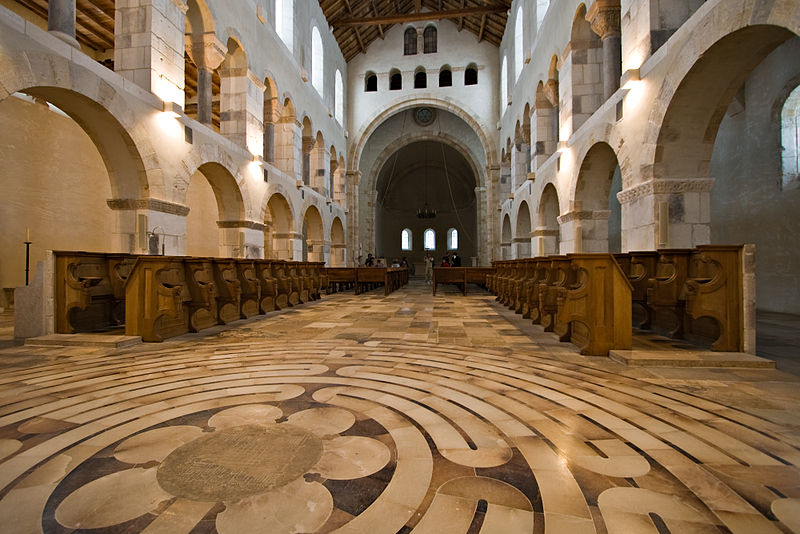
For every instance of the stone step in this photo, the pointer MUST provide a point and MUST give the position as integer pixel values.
(689, 358)
(83, 340)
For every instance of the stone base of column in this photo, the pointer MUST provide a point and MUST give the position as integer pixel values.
(70, 40)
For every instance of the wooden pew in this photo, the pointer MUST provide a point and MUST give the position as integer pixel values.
(557, 277)
(201, 309)
(595, 304)
(269, 286)
(89, 290)
(339, 278)
(714, 290)
(640, 268)
(251, 288)
(530, 308)
(461, 276)
(518, 296)
(155, 295)
(298, 283)
(288, 286)
(318, 270)
(229, 290)
(667, 290)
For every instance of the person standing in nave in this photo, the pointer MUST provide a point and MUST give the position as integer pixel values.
(456, 260)
(428, 267)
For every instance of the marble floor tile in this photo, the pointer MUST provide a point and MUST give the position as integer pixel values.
(400, 413)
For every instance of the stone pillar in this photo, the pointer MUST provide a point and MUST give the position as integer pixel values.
(149, 46)
(666, 213)
(320, 169)
(148, 226)
(584, 230)
(491, 197)
(353, 240)
(271, 118)
(604, 17)
(542, 132)
(242, 108)
(288, 147)
(207, 52)
(308, 145)
(546, 241)
(242, 239)
(551, 92)
(61, 20)
(521, 247)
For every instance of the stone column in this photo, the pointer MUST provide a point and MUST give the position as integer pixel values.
(542, 132)
(492, 199)
(288, 147)
(551, 92)
(149, 46)
(61, 20)
(271, 118)
(148, 226)
(604, 17)
(667, 214)
(242, 108)
(319, 160)
(352, 238)
(207, 52)
(546, 241)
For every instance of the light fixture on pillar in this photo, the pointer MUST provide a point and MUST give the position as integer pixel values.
(562, 146)
(172, 109)
(629, 78)
(426, 212)
(258, 160)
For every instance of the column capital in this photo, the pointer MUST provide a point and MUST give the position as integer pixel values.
(205, 50)
(253, 225)
(664, 187)
(604, 17)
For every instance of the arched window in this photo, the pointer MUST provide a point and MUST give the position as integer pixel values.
(317, 61)
(395, 80)
(518, 44)
(452, 239)
(445, 77)
(790, 140)
(430, 239)
(410, 42)
(370, 83)
(338, 98)
(541, 9)
(284, 21)
(429, 38)
(503, 87)
(420, 79)
(405, 239)
(471, 75)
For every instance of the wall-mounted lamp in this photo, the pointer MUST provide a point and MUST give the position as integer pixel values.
(562, 146)
(172, 109)
(258, 160)
(629, 78)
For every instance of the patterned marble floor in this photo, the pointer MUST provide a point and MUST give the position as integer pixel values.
(375, 414)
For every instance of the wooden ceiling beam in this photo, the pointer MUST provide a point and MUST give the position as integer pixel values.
(461, 19)
(375, 11)
(483, 26)
(418, 17)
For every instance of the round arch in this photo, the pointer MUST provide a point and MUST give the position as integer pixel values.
(547, 228)
(505, 237)
(338, 248)
(279, 233)
(313, 235)
(211, 186)
(522, 231)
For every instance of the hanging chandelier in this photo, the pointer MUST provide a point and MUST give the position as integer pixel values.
(426, 212)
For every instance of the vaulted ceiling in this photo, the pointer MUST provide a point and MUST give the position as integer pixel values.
(357, 23)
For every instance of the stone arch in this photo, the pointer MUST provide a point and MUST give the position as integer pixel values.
(543, 127)
(272, 114)
(505, 237)
(786, 111)
(338, 248)
(100, 110)
(706, 60)
(547, 230)
(313, 235)
(585, 228)
(404, 103)
(522, 232)
(229, 217)
(279, 235)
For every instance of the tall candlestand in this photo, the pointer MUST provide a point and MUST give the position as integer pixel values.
(27, 260)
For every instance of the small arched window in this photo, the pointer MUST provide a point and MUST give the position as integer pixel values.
(410, 42)
(405, 239)
(338, 97)
(430, 239)
(284, 21)
(452, 239)
(429, 38)
(370, 82)
(317, 62)
(445, 77)
(518, 36)
(790, 140)
(420, 79)
(395, 80)
(471, 75)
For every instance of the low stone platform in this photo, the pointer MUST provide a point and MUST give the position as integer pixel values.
(83, 340)
(689, 358)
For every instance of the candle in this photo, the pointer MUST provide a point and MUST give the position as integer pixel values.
(27, 234)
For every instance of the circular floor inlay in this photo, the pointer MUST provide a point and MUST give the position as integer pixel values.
(239, 462)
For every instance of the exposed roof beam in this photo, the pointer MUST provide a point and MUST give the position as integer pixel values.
(461, 19)
(417, 17)
(375, 10)
(417, 5)
(483, 25)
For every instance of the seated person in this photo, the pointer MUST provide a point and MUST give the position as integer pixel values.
(445, 262)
